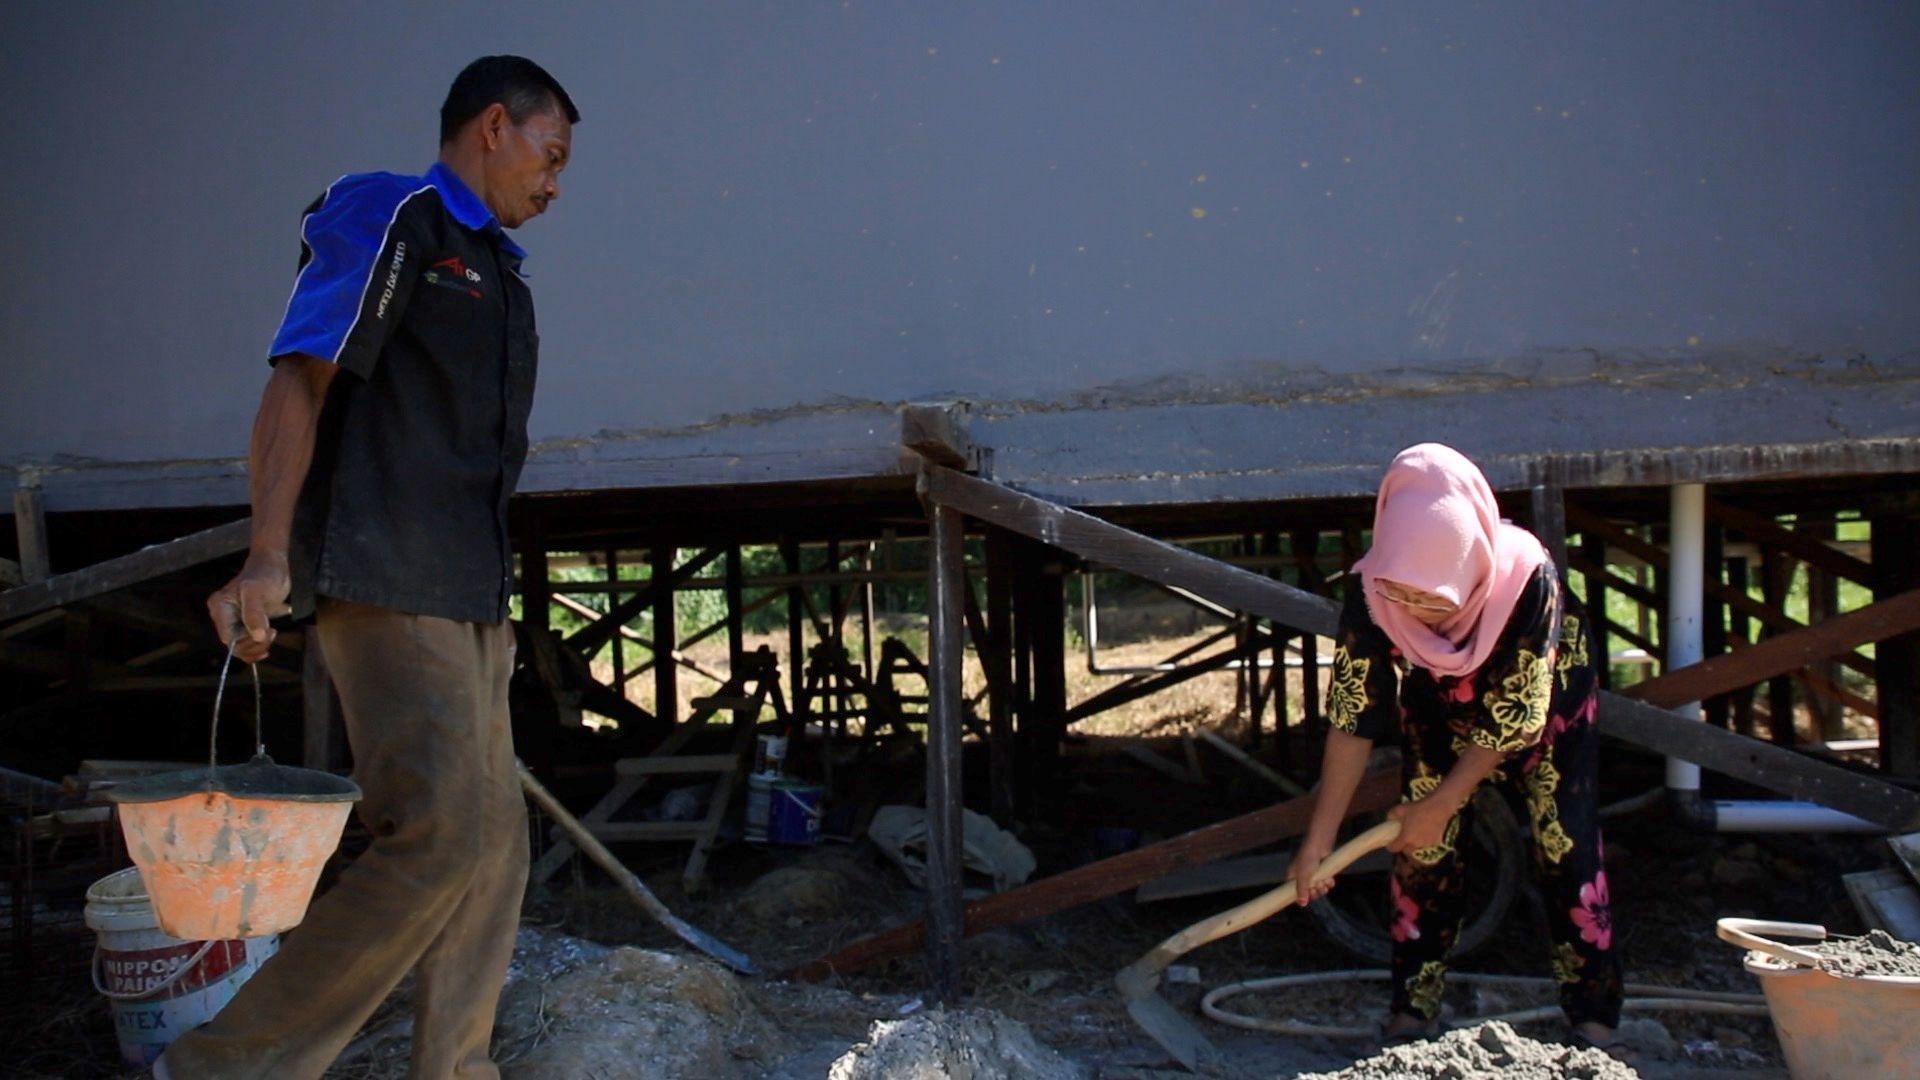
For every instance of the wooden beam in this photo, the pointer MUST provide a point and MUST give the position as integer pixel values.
(1114, 697)
(1782, 653)
(938, 433)
(1377, 791)
(997, 661)
(1896, 565)
(588, 639)
(1762, 529)
(118, 573)
(945, 637)
(1549, 515)
(1110, 545)
(1763, 764)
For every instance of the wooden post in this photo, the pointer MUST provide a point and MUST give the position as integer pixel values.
(1823, 602)
(1306, 558)
(666, 673)
(324, 731)
(536, 595)
(1049, 675)
(1741, 632)
(30, 527)
(999, 664)
(736, 624)
(866, 615)
(1550, 523)
(619, 639)
(1776, 572)
(796, 645)
(1713, 618)
(945, 635)
(1600, 644)
(1896, 547)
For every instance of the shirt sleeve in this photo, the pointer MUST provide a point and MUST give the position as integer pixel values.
(1363, 692)
(359, 257)
(1518, 680)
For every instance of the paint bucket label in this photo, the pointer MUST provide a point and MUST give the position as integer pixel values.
(795, 815)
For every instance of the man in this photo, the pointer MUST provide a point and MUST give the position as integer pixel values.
(389, 438)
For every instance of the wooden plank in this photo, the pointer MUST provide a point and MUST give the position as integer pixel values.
(119, 573)
(938, 433)
(945, 637)
(1378, 790)
(1765, 530)
(1117, 696)
(1782, 653)
(1886, 901)
(691, 763)
(30, 528)
(1247, 762)
(1764, 764)
(1907, 850)
(1138, 750)
(1110, 545)
(1249, 872)
(11, 574)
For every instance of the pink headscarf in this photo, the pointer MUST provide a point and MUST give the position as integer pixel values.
(1437, 528)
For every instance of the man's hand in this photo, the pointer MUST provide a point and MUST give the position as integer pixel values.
(1423, 823)
(240, 608)
(1306, 862)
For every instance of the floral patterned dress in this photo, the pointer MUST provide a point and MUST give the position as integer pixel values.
(1533, 701)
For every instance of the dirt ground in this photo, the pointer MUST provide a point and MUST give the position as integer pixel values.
(601, 990)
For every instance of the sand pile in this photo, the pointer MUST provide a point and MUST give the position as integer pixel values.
(965, 1044)
(1488, 1050)
(1878, 953)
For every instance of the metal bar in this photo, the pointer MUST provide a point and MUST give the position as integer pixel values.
(945, 634)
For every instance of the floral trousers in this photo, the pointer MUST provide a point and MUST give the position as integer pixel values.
(1554, 783)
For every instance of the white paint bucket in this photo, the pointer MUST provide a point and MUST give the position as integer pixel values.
(759, 806)
(160, 987)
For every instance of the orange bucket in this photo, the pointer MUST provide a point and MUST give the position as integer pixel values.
(233, 851)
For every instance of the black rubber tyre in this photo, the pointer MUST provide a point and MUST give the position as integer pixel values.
(1357, 913)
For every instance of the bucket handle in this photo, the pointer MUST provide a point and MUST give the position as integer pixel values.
(810, 811)
(1746, 933)
(219, 694)
(165, 984)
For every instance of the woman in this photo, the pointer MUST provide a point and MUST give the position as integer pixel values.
(1460, 638)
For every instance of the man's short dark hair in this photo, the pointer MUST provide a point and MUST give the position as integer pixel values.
(523, 86)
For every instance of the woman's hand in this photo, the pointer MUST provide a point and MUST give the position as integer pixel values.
(1423, 823)
(1305, 862)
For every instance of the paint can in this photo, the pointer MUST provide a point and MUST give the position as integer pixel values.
(160, 986)
(759, 806)
(795, 814)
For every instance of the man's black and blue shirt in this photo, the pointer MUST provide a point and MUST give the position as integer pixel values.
(411, 286)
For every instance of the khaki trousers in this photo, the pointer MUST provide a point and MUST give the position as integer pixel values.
(438, 892)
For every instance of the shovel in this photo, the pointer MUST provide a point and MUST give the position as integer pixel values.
(631, 882)
(1138, 980)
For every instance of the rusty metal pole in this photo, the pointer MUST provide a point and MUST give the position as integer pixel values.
(945, 635)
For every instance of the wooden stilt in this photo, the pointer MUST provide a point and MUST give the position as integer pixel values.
(945, 634)
(1896, 549)
(666, 673)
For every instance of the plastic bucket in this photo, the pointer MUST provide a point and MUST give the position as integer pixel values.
(233, 851)
(794, 817)
(759, 806)
(1856, 1027)
(158, 985)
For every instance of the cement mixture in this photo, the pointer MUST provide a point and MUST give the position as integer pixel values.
(1878, 953)
(1490, 1050)
(963, 1044)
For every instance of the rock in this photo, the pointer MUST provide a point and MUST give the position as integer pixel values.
(1492, 1050)
(637, 1012)
(965, 1044)
(793, 895)
(1737, 874)
(1649, 1036)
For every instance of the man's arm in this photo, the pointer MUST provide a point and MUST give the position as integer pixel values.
(277, 463)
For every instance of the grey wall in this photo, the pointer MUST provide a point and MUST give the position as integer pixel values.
(797, 204)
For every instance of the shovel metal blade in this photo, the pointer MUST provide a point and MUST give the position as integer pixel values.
(1175, 1033)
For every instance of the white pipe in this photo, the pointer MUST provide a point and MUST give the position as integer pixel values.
(1686, 599)
(1785, 816)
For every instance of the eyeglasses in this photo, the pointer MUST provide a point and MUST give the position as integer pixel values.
(1407, 600)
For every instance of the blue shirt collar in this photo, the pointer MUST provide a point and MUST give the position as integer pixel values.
(467, 209)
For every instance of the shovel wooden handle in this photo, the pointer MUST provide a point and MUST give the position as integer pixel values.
(1141, 976)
